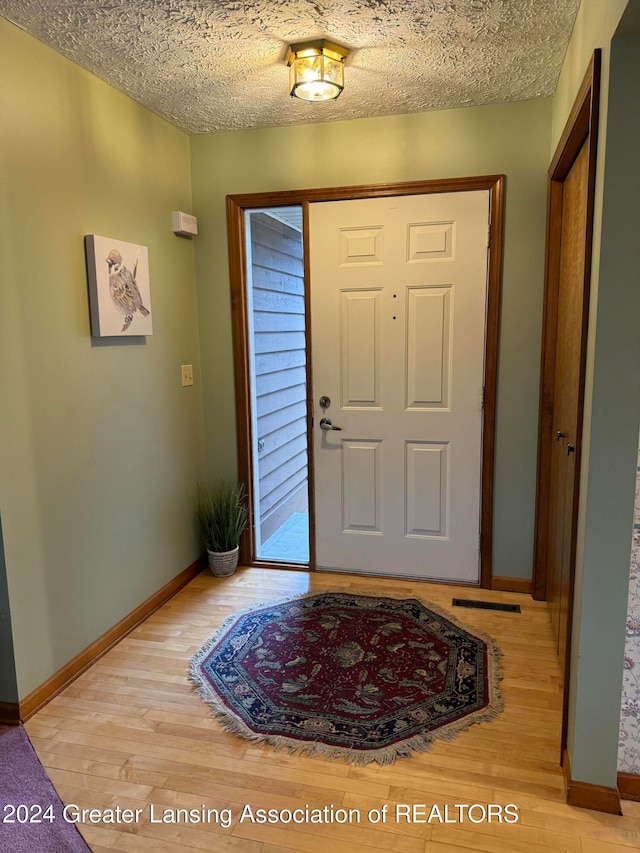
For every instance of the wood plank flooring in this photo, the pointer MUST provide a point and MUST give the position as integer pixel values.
(131, 732)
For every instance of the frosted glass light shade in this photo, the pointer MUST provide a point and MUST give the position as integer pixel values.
(316, 70)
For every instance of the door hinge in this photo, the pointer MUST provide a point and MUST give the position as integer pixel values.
(488, 234)
(482, 399)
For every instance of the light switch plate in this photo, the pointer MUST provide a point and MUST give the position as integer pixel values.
(187, 375)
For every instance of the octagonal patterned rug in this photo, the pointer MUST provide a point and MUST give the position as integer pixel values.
(364, 677)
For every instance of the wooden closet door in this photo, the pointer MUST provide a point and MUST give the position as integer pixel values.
(566, 398)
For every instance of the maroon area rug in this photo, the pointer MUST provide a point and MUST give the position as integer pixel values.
(31, 818)
(359, 676)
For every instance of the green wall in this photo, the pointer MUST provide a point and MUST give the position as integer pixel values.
(99, 444)
(504, 138)
(594, 26)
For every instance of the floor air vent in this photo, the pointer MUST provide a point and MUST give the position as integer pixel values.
(486, 605)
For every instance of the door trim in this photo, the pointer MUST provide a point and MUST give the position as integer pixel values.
(581, 129)
(236, 205)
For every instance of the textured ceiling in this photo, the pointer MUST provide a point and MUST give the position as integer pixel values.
(219, 65)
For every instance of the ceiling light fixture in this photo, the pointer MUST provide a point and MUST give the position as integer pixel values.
(316, 70)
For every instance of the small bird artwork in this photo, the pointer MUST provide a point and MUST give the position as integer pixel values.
(123, 289)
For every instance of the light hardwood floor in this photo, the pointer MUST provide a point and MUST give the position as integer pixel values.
(131, 731)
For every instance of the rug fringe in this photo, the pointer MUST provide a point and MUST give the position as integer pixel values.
(421, 742)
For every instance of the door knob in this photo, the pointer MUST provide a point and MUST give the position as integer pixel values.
(570, 449)
(325, 423)
(560, 435)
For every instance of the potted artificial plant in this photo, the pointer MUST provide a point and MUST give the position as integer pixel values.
(220, 518)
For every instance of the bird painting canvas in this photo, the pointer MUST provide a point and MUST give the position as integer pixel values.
(119, 292)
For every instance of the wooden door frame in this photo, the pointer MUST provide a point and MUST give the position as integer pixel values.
(581, 129)
(236, 206)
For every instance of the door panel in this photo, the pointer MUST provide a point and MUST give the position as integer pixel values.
(428, 347)
(362, 507)
(360, 358)
(398, 306)
(566, 407)
(430, 241)
(427, 466)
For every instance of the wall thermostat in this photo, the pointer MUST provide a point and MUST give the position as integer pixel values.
(184, 225)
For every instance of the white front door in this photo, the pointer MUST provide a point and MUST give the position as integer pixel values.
(398, 305)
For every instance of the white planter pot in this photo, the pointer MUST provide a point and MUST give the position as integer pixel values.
(223, 563)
